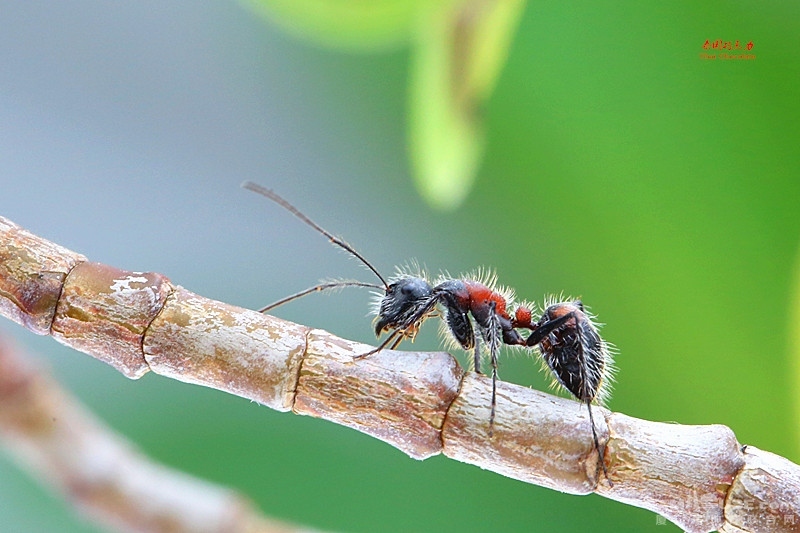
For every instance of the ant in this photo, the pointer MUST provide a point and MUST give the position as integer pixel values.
(565, 334)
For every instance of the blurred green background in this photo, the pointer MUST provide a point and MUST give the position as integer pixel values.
(619, 167)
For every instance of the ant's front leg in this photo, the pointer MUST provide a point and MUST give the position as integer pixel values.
(402, 318)
(384, 344)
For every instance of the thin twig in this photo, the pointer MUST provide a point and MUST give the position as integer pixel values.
(699, 477)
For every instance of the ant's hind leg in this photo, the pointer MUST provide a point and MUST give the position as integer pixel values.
(600, 451)
(547, 328)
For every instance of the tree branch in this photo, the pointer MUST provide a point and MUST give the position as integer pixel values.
(51, 434)
(699, 477)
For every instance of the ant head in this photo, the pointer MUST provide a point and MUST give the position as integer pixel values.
(404, 298)
(574, 350)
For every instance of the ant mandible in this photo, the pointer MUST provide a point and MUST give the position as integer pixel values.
(566, 336)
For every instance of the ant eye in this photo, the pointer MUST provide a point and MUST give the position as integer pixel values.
(415, 288)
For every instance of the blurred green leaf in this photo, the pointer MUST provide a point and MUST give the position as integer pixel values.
(459, 51)
(354, 24)
(488, 27)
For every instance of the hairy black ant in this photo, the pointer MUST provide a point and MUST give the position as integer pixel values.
(565, 334)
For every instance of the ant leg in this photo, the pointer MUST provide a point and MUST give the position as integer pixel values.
(400, 327)
(476, 356)
(547, 328)
(600, 453)
(396, 343)
(396, 333)
(494, 391)
(382, 345)
(492, 335)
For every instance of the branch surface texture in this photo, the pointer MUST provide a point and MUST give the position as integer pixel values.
(699, 477)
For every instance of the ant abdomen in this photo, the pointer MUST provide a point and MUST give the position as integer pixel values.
(573, 350)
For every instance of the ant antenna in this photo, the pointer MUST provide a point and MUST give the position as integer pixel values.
(327, 286)
(272, 195)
